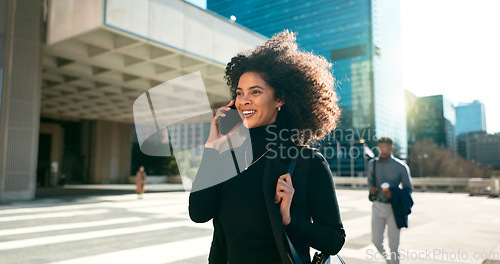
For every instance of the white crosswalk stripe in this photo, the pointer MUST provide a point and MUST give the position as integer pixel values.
(176, 251)
(27, 230)
(86, 235)
(51, 215)
(8, 211)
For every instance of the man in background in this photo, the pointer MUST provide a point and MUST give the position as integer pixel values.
(386, 173)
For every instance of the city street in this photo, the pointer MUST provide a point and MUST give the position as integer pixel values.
(101, 98)
(444, 228)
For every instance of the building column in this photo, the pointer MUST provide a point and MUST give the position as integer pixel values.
(110, 152)
(20, 67)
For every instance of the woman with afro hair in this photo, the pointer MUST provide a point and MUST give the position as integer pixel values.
(264, 215)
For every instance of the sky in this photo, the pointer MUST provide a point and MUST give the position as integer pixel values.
(451, 47)
(200, 3)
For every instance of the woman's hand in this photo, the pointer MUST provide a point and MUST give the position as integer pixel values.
(215, 139)
(284, 194)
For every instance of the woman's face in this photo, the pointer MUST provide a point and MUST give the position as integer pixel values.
(255, 98)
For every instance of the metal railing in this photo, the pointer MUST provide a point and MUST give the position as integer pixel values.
(489, 186)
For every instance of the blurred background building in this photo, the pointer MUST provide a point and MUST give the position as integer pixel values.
(431, 129)
(471, 117)
(411, 118)
(363, 40)
(431, 118)
(480, 147)
(486, 150)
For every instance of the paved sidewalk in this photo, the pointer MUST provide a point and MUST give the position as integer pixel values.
(89, 190)
(444, 227)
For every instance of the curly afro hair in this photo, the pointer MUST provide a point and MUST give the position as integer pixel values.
(302, 80)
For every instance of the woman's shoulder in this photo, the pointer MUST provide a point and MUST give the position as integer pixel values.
(317, 165)
(308, 152)
(308, 156)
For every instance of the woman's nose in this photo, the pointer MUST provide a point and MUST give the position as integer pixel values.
(244, 100)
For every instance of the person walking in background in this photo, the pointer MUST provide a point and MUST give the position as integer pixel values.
(391, 205)
(140, 180)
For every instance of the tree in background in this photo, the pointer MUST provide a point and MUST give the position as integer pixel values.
(427, 159)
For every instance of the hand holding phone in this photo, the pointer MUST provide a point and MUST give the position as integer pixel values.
(229, 121)
(220, 126)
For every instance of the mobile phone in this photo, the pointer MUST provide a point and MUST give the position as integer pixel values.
(230, 121)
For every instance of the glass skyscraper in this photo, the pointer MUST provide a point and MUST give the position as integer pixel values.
(433, 119)
(470, 117)
(362, 38)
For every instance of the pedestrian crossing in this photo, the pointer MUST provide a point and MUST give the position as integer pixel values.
(118, 229)
(51, 215)
(123, 229)
(35, 229)
(151, 254)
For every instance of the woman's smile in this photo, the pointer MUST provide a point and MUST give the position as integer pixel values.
(248, 113)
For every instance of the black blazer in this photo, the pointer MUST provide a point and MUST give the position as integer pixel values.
(314, 199)
(401, 203)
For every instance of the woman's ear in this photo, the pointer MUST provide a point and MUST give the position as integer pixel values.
(280, 103)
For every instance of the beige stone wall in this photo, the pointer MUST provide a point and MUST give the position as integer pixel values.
(110, 152)
(68, 18)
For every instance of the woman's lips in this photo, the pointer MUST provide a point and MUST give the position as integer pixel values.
(249, 113)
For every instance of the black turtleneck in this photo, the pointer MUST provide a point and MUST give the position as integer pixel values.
(263, 138)
(242, 227)
(242, 209)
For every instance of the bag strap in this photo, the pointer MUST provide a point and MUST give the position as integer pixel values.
(292, 165)
(373, 197)
(233, 155)
(295, 255)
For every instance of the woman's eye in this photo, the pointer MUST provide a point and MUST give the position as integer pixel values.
(238, 94)
(255, 92)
